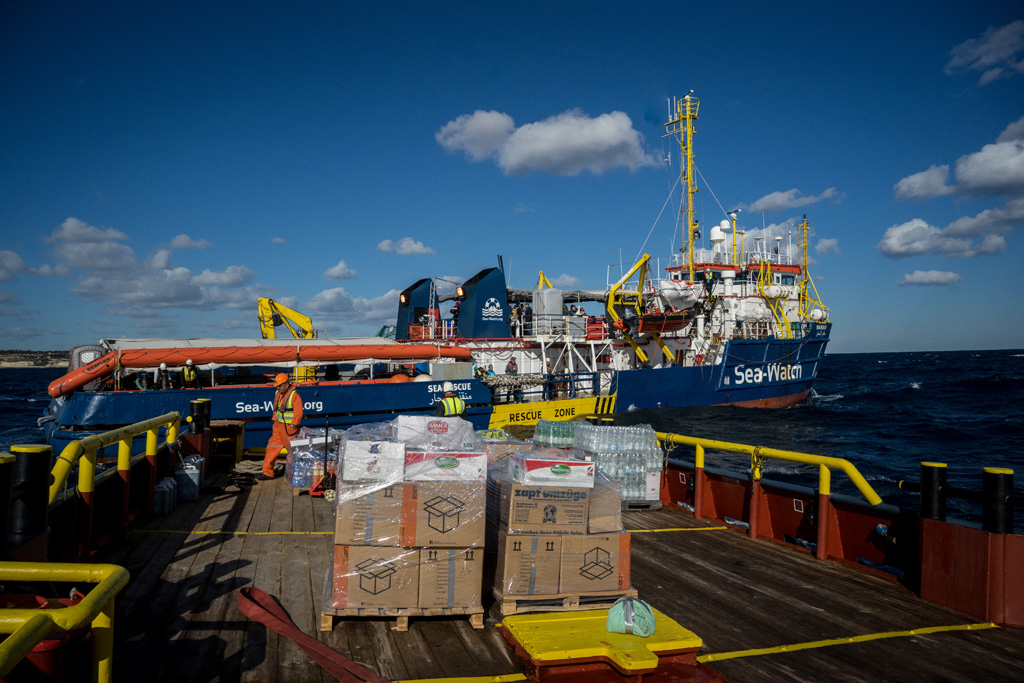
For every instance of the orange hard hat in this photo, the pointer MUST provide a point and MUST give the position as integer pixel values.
(280, 378)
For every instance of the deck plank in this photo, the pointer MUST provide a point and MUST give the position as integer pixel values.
(178, 618)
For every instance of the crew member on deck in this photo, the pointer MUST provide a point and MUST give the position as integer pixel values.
(189, 376)
(287, 418)
(511, 369)
(161, 378)
(451, 405)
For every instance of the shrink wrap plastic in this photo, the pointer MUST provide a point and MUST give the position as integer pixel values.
(410, 509)
(313, 452)
(545, 540)
(499, 445)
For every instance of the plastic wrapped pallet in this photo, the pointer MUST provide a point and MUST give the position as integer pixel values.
(545, 541)
(409, 524)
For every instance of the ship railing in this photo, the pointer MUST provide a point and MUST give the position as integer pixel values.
(545, 387)
(83, 454)
(757, 509)
(28, 627)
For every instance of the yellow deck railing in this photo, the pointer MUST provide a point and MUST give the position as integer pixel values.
(757, 453)
(29, 626)
(83, 451)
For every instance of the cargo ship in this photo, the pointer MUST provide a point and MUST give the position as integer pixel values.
(729, 324)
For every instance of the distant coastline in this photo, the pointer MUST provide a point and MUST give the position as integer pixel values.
(33, 359)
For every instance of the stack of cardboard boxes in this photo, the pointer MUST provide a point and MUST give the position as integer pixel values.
(554, 530)
(410, 521)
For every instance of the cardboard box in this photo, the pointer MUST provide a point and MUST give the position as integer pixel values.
(423, 466)
(443, 514)
(594, 563)
(375, 460)
(546, 471)
(543, 509)
(605, 510)
(425, 433)
(370, 576)
(451, 577)
(370, 518)
(527, 564)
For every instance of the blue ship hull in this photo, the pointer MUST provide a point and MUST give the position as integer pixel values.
(756, 373)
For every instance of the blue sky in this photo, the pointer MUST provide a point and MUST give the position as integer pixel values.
(163, 164)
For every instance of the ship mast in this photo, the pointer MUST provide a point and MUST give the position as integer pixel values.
(804, 227)
(686, 114)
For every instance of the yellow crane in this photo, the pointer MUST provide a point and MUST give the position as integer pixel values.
(273, 315)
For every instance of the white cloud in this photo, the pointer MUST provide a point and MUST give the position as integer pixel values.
(338, 305)
(80, 245)
(563, 145)
(107, 270)
(827, 246)
(930, 277)
(1014, 131)
(564, 281)
(916, 237)
(75, 230)
(277, 240)
(186, 242)
(480, 134)
(998, 169)
(990, 221)
(161, 259)
(405, 246)
(924, 185)
(232, 276)
(9, 299)
(996, 54)
(340, 272)
(47, 270)
(10, 265)
(790, 199)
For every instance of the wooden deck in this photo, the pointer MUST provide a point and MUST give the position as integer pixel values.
(178, 618)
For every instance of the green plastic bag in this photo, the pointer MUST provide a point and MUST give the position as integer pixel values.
(631, 615)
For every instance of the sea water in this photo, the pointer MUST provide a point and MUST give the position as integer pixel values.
(884, 412)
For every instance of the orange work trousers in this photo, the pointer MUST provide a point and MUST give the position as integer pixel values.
(280, 438)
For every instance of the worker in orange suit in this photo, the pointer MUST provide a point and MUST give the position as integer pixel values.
(287, 419)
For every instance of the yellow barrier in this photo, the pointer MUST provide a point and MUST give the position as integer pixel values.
(29, 626)
(83, 451)
(825, 464)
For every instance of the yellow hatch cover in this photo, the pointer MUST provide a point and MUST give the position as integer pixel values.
(563, 636)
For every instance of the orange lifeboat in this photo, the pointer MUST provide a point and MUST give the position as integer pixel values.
(250, 355)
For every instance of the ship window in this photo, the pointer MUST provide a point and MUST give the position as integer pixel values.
(788, 279)
(677, 276)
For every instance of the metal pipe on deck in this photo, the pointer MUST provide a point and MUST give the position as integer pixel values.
(933, 491)
(997, 500)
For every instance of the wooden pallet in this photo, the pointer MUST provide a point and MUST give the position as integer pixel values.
(641, 505)
(328, 617)
(559, 602)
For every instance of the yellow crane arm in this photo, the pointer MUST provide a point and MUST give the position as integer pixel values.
(273, 314)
